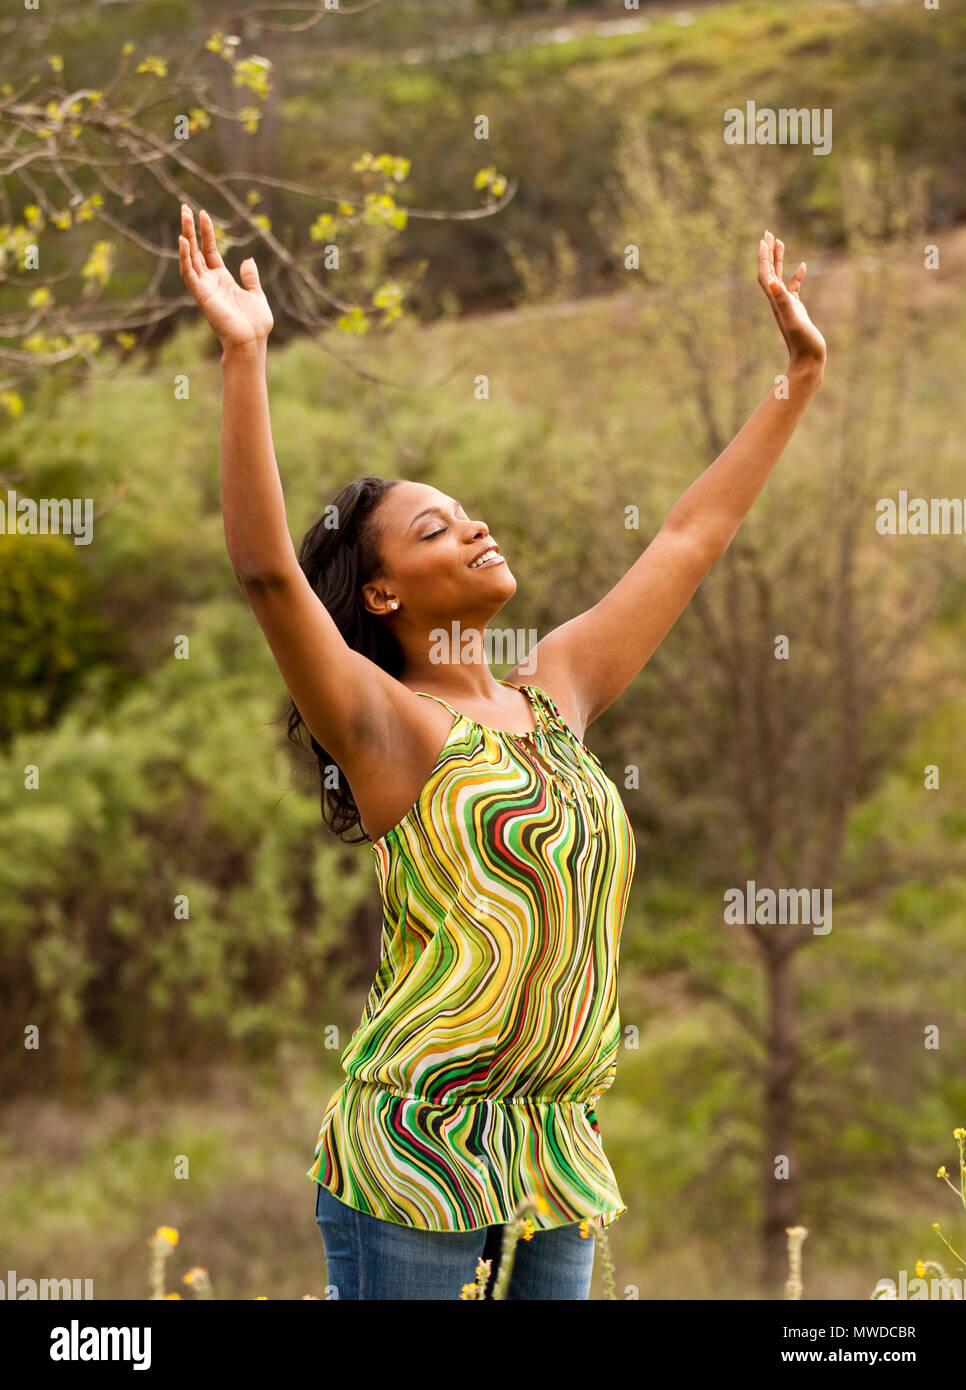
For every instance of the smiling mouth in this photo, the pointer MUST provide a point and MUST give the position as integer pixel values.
(489, 557)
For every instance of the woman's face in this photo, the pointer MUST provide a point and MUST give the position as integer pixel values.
(427, 545)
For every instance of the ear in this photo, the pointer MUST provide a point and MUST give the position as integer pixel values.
(376, 599)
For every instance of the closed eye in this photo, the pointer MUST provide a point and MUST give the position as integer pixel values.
(458, 508)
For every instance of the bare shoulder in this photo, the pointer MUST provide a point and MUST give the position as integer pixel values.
(393, 756)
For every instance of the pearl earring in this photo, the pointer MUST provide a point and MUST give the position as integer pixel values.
(394, 604)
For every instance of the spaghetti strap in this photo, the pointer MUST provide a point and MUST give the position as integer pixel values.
(534, 698)
(439, 700)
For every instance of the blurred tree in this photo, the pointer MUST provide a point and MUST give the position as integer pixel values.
(53, 636)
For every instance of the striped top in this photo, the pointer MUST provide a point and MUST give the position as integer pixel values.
(491, 1028)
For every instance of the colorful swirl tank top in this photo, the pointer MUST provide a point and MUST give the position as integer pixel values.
(492, 1026)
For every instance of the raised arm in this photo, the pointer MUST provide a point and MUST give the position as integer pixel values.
(341, 695)
(596, 655)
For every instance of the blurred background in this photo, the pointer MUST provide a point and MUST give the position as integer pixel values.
(540, 195)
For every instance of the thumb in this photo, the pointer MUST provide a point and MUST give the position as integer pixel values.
(782, 299)
(248, 272)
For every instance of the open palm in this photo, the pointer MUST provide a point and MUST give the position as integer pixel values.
(238, 314)
(804, 341)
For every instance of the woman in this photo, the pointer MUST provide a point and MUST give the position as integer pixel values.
(502, 851)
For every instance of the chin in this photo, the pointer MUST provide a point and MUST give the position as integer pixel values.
(509, 583)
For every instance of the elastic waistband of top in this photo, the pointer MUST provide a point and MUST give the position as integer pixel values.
(358, 1081)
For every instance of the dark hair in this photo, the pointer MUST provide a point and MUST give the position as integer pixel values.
(337, 560)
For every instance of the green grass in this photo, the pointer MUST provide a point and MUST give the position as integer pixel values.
(82, 1191)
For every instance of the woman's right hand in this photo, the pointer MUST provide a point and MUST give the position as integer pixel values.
(239, 314)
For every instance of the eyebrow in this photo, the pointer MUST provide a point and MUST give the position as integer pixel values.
(426, 512)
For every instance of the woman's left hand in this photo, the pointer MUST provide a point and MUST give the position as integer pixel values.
(806, 346)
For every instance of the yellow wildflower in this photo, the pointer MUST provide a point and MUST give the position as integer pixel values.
(155, 65)
(98, 264)
(164, 1233)
(942, 1172)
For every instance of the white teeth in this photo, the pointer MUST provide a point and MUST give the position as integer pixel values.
(487, 555)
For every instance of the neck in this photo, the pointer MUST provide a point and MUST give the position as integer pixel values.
(454, 661)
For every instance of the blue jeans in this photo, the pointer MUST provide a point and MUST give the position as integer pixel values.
(370, 1258)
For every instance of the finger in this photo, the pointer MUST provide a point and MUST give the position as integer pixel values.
(248, 274)
(779, 295)
(188, 227)
(188, 274)
(779, 257)
(795, 283)
(767, 278)
(208, 243)
(789, 309)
